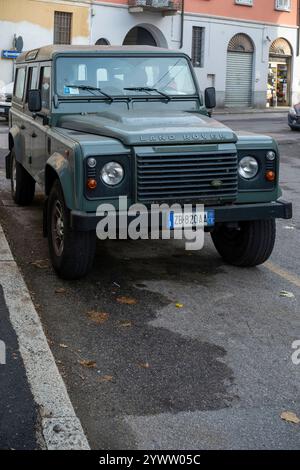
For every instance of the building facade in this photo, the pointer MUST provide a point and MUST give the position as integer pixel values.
(247, 49)
(40, 22)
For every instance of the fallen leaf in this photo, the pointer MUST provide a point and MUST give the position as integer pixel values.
(40, 263)
(64, 346)
(88, 364)
(60, 290)
(98, 317)
(125, 323)
(106, 378)
(145, 365)
(179, 305)
(290, 417)
(285, 293)
(126, 300)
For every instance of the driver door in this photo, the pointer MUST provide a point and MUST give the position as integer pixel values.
(39, 128)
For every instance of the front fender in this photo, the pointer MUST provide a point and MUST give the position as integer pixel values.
(58, 166)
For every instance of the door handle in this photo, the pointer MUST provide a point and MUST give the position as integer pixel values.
(23, 127)
(33, 135)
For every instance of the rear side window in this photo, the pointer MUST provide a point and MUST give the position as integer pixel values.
(32, 80)
(45, 86)
(20, 83)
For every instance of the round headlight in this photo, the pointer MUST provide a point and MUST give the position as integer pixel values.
(112, 173)
(248, 167)
(92, 162)
(271, 155)
(293, 112)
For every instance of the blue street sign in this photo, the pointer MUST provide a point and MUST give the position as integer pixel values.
(10, 54)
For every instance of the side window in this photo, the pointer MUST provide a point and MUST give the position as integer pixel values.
(32, 80)
(20, 83)
(45, 86)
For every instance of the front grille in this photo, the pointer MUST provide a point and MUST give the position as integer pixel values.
(187, 178)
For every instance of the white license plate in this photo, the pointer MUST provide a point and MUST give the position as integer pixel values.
(2, 110)
(191, 219)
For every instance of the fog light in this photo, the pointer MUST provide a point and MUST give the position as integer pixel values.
(271, 156)
(91, 184)
(270, 176)
(92, 162)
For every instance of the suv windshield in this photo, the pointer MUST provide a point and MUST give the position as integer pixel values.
(124, 76)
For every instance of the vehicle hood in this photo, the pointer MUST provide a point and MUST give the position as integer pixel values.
(136, 128)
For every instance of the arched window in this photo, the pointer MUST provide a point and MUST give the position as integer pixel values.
(281, 47)
(102, 42)
(139, 36)
(241, 43)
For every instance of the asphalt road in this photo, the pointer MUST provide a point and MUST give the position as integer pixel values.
(215, 374)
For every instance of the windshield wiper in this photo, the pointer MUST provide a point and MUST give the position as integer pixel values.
(91, 88)
(148, 89)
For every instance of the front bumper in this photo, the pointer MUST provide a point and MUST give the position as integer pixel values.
(294, 121)
(83, 221)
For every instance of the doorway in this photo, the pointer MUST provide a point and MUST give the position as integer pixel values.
(279, 75)
(239, 73)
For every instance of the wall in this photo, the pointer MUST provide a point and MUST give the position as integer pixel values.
(33, 20)
(217, 36)
(262, 11)
(113, 22)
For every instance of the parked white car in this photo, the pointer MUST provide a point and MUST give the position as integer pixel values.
(6, 93)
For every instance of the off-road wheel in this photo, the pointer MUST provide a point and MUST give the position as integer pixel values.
(249, 245)
(22, 183)
(71, 252)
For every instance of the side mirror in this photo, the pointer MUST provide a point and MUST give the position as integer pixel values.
(34, 101)
(210, 98)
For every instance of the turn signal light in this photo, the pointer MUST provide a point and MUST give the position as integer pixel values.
(91, 183)
(270, 176)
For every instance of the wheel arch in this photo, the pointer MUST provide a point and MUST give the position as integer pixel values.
(58, 167)
(16, 142)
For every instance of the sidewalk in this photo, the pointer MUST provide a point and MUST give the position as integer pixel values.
(35, 408)
(18, 414)
(281, 110)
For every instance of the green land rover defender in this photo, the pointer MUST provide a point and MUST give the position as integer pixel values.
(93, 124)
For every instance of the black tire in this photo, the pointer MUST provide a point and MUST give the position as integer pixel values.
(294, 129)
(22, 183)
(250, 245)
(71, 252)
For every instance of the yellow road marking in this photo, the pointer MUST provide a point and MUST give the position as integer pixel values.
(292, 278)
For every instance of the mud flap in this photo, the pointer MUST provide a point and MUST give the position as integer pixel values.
(8, 166)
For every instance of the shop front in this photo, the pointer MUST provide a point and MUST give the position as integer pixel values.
(280, 73)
